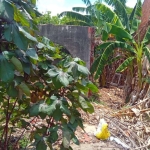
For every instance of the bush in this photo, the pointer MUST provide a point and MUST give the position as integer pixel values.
(32, 85)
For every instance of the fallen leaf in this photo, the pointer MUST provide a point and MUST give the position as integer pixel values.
(147, 129)
(136, 111)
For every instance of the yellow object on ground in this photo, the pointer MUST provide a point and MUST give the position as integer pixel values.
(102, 130)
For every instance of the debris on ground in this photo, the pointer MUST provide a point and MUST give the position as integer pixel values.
(129, 126)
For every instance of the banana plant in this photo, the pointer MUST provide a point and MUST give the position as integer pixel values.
(134, 50)
(96, 15)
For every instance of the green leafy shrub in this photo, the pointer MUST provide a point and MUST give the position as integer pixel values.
(33, 84)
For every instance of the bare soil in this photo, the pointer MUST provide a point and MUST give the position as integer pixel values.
(131, 125)
(110, 100)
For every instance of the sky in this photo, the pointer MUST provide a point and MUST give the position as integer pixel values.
(58, 6)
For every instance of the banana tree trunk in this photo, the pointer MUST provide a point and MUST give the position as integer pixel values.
(145, 22)
(133, 92)
(128, 87)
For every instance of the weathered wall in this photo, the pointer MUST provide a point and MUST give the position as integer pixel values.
(76, 39)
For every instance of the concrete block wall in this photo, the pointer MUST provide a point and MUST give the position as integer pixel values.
(78, 40)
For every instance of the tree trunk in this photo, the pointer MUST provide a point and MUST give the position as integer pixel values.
(144, 19)
(132, 92)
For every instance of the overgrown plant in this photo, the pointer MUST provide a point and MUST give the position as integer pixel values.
(134, 50)
(34, 85)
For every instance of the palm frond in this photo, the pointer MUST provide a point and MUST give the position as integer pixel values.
(136, 13)
(87, 2)
(108, 14)
(125, 64)
(95, 64)
(109, 47)
(146, 39)
(120, 9)
(75, 15)
(119, 32)
(113, 2)
(90, 10)
(87, 10)
(80, 9)
(137, 10)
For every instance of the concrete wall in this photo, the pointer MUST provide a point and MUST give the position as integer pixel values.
(76, 39)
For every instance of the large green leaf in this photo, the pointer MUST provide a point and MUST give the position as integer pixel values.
(75, 140)
(90, 108)
(81, 87)
(8, 32)
(46, 43)
(136, 13)
(114, 59)
(21, 17)
(80, 9)
(33, 2)
(59, 77)
(26, 68)
(6, 10)
(18, 38)
(48, 109)
(34, 110)
(110, 15)
(119, 32)
(146, 39)
(92, 87)
(27, 35)
(102, 60)
(66, 139)
(75, 16)
(41, 145)
(8, 54)
(31, 12)
(105, 35)
(125, 64)
(6, 69)
(63, 78)
(87, 2)
(65, 109)
(52, 72)
(120, 9)
(25, 89)
(95, 64)
(53, 136)
(31, 52)
(83, 70)
(83, 102)
(16, 62)
(57, 114)
(12, 91)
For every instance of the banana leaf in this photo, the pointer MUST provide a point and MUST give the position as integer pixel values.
(125, 64)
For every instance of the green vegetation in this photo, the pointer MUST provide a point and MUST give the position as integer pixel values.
(122, 25)
(32, 85)
(56, 20)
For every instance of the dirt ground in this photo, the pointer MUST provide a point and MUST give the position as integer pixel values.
(126, 124)
(133, 130)
(109, 100)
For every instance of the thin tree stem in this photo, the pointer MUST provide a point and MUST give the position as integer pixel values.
(6, 126)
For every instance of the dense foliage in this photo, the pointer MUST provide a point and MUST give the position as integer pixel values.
(33, 84)
(118, 28)
(97, 14)
(47, 18)
(135, 52)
